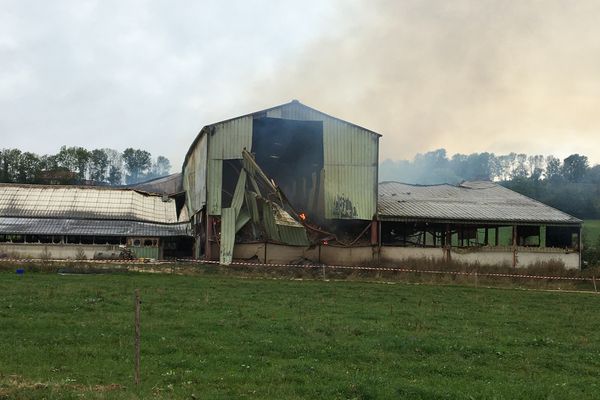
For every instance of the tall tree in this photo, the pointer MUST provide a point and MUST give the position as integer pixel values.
(29, 167)
(161, 167)
(10, 165)
(575, 167)
(137, 163)
(98, 165)
(553, 168)
(114, 175)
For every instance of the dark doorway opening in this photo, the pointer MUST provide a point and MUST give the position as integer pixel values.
(177, 247)
(291, 153)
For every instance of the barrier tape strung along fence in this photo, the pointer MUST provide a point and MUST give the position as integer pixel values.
(313, 266)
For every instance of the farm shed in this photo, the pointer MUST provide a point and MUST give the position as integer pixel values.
(76, 221)
(288, 175)
(474, 222)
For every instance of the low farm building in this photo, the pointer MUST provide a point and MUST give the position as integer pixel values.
(92, 222)
(474, 222)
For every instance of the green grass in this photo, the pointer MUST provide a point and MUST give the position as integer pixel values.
(591, 231)
(216, 337)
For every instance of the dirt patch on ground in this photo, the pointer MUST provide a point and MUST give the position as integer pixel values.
(12, 385)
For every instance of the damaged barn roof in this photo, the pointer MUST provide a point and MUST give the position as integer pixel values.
(170, 184)
(81, 202)
(60, 226)
(468, 202)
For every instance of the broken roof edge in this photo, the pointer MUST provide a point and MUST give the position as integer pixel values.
(87, 187)
(144, 221)
(507, 222)
(205, 127)
(39, 226)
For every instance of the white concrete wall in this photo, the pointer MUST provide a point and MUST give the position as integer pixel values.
(276, 253)
(525, 258)
(391, 254)
(332, 255)
(284, 254)
(484, 257)
(57, 251)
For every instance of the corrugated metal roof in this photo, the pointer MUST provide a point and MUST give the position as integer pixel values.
(54, 226)
(79, 202)
(470, 201)
(169, 184)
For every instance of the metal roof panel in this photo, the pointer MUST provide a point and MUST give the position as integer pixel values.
(476, 201)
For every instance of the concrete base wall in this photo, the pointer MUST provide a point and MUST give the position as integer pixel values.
(484, 257)
(50, 250)
(367, 255)
(392, 254)
(571, 260)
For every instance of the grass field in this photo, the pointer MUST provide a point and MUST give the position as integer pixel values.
(591, 231)
(216, 337)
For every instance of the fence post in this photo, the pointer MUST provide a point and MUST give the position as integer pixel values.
(137, 304)
(594, 282)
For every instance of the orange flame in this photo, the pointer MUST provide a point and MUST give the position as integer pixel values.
(302, 216)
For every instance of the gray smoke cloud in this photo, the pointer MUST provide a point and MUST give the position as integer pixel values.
(469, 76)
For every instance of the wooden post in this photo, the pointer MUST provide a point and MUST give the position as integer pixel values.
(207, 245)
(580, 250)
(448, 242)
(137, 304)
(374, 232)
(496, 238)
(514, 245)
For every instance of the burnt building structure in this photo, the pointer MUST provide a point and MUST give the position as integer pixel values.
(288, 175)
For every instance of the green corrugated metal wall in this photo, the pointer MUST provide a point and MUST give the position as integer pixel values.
(226, 143)
(350, 161)
(194, 177)
(146, 252)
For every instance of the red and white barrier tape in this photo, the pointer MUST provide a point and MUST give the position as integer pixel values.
(309, 266)
(405, 270)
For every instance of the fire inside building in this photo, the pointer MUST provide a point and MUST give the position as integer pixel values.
(292, 184)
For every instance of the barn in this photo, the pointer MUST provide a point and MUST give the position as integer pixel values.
(289, 176)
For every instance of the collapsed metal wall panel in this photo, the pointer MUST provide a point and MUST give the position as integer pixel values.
(194, 177)
(227, 235)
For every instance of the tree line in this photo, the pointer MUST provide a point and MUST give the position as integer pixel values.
(77, 165)
(570, 184)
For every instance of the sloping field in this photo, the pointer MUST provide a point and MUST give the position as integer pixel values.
(591, 231)
(215, 337)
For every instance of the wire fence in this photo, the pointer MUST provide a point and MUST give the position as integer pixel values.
(475, 273)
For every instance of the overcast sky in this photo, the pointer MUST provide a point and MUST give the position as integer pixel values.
(495, 76)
